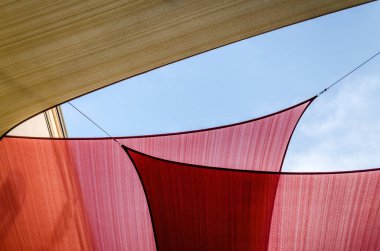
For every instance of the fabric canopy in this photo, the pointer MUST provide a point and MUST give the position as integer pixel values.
(94, 176)
(206, 208)
(202, 208)
(85, 194)
(55, 51)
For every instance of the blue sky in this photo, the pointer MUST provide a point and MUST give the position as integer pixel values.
(257, 76)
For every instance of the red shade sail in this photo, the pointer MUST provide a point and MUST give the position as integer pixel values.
(79, 194)
(200, 208)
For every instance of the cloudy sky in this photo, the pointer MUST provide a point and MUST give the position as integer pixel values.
(257, 76)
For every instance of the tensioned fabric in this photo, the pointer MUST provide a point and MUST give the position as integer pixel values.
(54, 51)
(199, 208)
(206, 208)
(90, 192)
(327, 212)
(40, 201)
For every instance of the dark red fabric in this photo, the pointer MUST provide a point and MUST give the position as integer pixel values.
(205, 208)
(198, 208)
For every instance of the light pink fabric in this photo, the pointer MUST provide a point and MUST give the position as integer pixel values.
(327, 212)
(114, 197)
(113, 201)
(258, 144)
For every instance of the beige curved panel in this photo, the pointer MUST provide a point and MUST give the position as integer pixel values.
(54, 51)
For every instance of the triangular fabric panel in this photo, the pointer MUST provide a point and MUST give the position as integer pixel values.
(258, 144)
(206, 208)
(200, 208)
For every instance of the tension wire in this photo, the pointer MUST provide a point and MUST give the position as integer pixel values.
(349, 73)
(92, 121)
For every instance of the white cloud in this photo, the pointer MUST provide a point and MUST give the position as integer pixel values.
(341, 131)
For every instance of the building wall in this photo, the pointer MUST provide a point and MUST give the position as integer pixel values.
(47, 124)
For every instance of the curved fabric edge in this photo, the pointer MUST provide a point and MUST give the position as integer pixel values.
(127, 149)
(310, 100)
(294, 128)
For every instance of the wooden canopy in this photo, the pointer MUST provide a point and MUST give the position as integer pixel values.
(51, 52)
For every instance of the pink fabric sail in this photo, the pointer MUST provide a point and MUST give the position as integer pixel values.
(258, 144)
(114, 199)
(87, 192)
